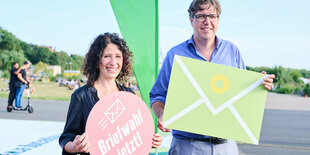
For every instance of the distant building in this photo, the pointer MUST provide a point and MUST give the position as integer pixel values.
(56, 69)
(305, 80)
(69, 73)
(50, 48)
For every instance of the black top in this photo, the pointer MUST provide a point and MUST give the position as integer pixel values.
(82, 101)
(13, 77)
(24, 75)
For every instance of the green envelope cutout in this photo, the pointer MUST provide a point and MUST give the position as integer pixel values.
(215, 100)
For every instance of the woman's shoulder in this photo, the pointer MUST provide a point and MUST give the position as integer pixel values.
(124, 88)
(82, 90)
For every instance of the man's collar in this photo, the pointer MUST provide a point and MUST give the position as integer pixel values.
(218, 41)
(191, 41)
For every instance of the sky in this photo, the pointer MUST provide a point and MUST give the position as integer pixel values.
(267, 32)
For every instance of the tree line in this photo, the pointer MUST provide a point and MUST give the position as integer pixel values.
(287, 80)
(13, 49)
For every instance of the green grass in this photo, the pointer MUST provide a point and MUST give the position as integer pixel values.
(40, 90)
(43, 91)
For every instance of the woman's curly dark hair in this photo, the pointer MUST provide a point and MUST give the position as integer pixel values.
(92, 59)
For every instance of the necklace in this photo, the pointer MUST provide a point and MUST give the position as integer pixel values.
(102, 91)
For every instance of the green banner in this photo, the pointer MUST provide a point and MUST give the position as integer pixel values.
(138, 22)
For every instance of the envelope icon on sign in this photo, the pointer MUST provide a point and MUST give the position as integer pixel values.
(215, 100)
(114, 111)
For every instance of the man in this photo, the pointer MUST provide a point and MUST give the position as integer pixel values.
(14, 71)
(20, 84)
(203, 45)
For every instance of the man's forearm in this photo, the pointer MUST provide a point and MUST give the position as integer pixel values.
(158, 109)
(16, 72)
(19, 69)
(22, 79)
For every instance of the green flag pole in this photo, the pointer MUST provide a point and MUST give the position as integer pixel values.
(138, 22)
(156, 57)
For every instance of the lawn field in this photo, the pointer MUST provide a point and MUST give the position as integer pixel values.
(43, 91)
(40, 90)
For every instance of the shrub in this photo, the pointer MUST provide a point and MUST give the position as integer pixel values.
(53, 78)
(5, 74)
(285, 89)
(306, 89)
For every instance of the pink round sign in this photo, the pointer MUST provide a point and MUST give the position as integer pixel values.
(120, 124)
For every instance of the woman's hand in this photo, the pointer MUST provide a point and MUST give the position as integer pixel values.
(156, 140)
(79, 144)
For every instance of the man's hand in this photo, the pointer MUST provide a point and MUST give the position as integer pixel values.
(158, 109)
(160, 126)
(268, 81)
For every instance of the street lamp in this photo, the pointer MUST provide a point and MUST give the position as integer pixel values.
(69, 63)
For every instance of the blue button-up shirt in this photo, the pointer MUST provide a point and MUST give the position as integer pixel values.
(225, 53)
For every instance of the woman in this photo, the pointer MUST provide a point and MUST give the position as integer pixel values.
(107, 62)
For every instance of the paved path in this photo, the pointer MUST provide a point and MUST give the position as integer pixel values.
(32, 134)
(284, 132)
(287, 102)
(29, 137)
(43, 110)
(285, 128)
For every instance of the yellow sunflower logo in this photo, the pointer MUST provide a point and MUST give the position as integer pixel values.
(219, 84)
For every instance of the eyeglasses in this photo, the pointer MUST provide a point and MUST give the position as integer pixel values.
(202, 17)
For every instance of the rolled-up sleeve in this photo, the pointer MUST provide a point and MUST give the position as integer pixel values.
(160, 87)
(239, 60)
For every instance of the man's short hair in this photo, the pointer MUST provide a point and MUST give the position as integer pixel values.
(27, 62)
(196, 6)
(14, 63)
